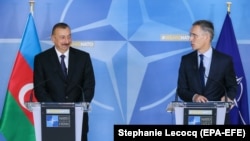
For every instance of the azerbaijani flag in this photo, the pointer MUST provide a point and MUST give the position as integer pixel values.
(227, 43)
(17, 123)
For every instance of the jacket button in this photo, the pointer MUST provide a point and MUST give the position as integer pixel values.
(66, 97)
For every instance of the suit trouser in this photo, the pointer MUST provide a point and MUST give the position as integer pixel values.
(227, 119)
(84, 137)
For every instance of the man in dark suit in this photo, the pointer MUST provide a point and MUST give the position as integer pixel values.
(78, 82)
(218, 70)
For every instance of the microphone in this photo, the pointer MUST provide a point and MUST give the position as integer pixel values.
(85, 103)
(218, 82)
(31, 95)
(29, 103)
(225, 91)
(32, 91)
(176, 97)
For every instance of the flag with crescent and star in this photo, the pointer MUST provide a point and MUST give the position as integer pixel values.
(17, 123)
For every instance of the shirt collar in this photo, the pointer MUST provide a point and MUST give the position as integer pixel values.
(208, 53)
(65, 53)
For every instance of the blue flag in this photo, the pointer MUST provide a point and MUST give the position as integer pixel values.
(227, 43)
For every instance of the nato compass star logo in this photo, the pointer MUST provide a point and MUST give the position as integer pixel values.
(194, 120)
(125, 62)
(52, 121)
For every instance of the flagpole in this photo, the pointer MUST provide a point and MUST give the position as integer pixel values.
(229, 7)
(32, 2)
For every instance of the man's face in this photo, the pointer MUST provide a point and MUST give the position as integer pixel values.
(198, 38)
(62, 39)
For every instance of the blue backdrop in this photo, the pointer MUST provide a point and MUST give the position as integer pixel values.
(135, 45)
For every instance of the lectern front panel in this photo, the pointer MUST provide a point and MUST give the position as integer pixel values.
(200, 116)
(58, 123)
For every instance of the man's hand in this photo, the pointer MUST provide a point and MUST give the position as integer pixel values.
(199, 98)
(223, 99)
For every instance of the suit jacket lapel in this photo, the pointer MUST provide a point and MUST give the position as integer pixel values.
(196, 69)
(213, 68)
(55, 61)
(196, 73)
(71, 65)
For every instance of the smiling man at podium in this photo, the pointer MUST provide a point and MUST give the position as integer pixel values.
(64, 74)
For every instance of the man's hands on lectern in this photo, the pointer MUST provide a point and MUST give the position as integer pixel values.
(199, 98)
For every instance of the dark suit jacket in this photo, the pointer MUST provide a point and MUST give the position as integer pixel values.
(50, 85)
(221, 78)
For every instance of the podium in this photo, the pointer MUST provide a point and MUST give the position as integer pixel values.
(192, 113)
(58, 121)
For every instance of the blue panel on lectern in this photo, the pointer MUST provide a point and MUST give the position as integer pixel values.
(52, 121)
(200, 116)
(194, 120)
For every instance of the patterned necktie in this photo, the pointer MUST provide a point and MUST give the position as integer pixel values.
(64, 69)
(202, 71)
